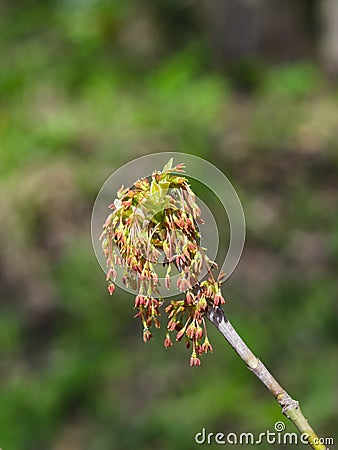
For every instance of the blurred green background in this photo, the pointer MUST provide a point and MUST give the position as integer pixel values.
(88, 85)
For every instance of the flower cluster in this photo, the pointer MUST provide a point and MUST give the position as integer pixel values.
(154, 223)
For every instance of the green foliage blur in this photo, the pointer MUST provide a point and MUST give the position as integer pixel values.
(86, 86)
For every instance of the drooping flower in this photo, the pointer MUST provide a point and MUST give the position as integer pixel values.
(194, 361)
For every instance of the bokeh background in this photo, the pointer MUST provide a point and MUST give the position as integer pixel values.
(88, 85)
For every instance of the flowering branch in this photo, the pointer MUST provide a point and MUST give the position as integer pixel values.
(154, 223)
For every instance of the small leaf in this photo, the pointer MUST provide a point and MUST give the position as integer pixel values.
(154, 188)
(168, 166)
